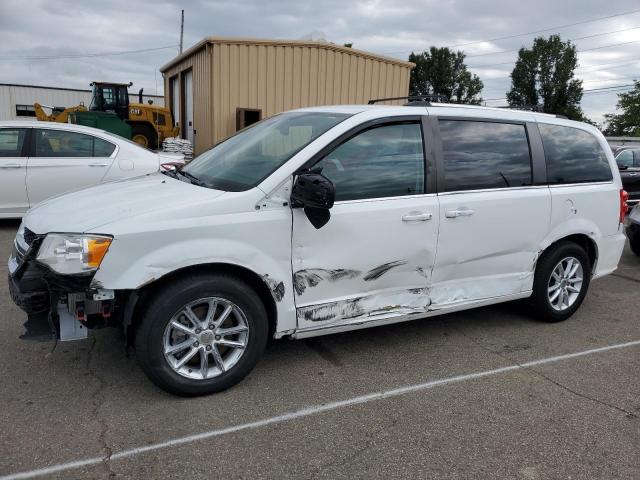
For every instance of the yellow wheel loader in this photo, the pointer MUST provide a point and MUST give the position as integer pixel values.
(150, 124)
(146, 124)
(58, 114)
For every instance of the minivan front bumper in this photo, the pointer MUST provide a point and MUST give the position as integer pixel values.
(38, 290)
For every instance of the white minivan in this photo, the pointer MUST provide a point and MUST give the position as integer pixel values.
(323, 220)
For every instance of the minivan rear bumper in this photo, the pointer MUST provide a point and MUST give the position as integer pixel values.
(609, 253)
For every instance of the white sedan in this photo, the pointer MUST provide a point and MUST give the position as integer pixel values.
(43, 159)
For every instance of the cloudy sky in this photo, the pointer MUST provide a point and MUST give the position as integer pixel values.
(69, 43)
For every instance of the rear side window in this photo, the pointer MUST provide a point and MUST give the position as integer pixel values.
(385, 161)
(480, 155)
(573, 155)
(62, 143)
(11, 142)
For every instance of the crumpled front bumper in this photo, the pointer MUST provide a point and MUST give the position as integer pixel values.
(37, 290)
(33, 284)
(30, 294)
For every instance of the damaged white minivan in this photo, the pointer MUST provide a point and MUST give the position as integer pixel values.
(323, 220)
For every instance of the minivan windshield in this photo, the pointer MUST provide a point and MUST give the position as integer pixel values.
(245, 159)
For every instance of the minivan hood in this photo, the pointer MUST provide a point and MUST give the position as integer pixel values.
(92, 207)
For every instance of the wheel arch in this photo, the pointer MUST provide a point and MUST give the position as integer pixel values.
(255, 281)
(585, 241)
(142, 123)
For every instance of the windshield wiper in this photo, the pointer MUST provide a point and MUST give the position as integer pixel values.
(505, 179)
(170, 173)
(192, 178)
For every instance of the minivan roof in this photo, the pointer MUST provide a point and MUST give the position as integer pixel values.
(432, 108)
(462, 110)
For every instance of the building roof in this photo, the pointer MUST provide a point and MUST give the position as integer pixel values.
(283, 43)
(68, 89)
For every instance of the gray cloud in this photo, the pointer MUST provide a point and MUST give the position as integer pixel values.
(66, 27)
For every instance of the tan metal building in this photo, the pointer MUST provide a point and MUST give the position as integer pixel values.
(221, 85)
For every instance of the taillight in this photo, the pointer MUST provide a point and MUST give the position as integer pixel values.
(624, 208)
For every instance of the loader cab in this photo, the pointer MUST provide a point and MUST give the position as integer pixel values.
(110, 97)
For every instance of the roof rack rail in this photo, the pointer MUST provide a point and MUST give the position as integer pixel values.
(529, 108)
(414, 100)
(533, 108)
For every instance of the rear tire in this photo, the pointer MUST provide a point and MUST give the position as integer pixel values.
(144, 135)
(561, 270)
(225, 365)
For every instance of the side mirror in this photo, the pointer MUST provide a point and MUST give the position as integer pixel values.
(623, 167)
(315, 193)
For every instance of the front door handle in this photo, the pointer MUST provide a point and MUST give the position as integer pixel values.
(98, 164)
(11, 165)
(461, 212)
(417, 217)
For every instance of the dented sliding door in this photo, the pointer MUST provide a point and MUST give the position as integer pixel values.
(374, 257)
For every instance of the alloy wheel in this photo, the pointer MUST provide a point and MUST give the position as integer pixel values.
(565, 283)
(206, 338)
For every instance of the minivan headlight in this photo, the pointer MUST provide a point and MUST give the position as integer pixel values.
(73, 253)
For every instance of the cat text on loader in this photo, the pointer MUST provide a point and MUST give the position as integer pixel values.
(150, 124)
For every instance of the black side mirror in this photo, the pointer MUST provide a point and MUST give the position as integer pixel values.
(623, 167)
(315, 193)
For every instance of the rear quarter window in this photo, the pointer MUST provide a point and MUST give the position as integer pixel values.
(102, 148)
(573, 155)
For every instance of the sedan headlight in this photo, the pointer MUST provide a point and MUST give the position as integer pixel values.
(69, 253)
(20, 238)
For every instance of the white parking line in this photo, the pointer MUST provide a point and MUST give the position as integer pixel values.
(312, 410)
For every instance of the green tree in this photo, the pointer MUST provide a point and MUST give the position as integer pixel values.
(442, 71)
(626, 123)
(543, 78)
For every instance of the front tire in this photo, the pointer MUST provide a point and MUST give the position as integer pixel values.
(201, 334)
(561, 282)
(635, 245)
(144, 135)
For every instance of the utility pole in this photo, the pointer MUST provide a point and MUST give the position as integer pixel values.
(181, 31)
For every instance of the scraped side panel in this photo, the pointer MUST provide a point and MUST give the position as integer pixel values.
(365, 263)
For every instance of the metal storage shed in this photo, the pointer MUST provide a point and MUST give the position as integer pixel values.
(223, 84)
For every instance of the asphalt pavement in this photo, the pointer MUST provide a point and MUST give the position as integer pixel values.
(486, 393)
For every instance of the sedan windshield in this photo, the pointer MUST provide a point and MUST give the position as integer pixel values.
(244, 160)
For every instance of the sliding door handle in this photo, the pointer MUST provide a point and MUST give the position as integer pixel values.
(461, 212)
(98, 164)
(11, 165)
